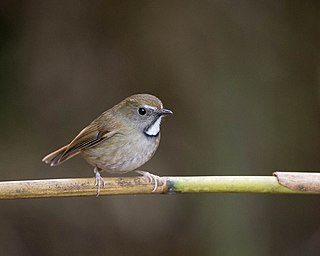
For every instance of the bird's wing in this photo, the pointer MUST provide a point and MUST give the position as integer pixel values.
(90, 136)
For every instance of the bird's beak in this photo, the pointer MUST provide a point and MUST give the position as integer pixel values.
(164, 112)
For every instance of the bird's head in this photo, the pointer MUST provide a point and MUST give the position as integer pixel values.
(142, 111)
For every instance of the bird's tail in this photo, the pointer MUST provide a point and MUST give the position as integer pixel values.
(59, 156)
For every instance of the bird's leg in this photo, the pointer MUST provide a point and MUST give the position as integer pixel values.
(151, 178)
(99, 179)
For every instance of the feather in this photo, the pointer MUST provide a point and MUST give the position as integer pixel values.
(88, 137)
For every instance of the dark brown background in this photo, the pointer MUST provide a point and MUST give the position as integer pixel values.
(243, 80)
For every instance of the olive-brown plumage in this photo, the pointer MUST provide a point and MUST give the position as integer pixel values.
(120, 140)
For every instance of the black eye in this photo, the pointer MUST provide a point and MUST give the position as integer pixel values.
(142, 111)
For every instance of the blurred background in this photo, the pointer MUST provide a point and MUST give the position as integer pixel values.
(243, 80)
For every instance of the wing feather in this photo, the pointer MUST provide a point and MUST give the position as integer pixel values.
(90, 136)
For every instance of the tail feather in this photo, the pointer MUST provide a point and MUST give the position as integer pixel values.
(58, 157)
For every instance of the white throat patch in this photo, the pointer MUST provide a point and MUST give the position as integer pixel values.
(154, 129)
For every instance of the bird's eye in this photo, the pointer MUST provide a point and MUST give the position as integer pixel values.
(142, 111)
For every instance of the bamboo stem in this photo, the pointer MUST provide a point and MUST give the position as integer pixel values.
(281, 183)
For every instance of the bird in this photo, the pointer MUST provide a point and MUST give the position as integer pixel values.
(120, 140)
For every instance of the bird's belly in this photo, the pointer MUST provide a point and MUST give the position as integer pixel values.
(120, 155)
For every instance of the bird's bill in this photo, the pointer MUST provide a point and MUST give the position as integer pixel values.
(164, 111)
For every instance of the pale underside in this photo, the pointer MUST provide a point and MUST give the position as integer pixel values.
(120, 155)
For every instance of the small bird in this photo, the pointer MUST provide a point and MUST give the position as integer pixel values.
(120, 140)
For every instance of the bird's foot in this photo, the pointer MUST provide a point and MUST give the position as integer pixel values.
(99, 180)
(152, 178)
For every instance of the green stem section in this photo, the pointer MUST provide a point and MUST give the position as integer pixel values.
(229, 184)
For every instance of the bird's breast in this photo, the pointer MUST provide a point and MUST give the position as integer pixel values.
(122, 153)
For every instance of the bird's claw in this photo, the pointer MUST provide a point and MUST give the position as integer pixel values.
(152, 178)
(99, 180)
